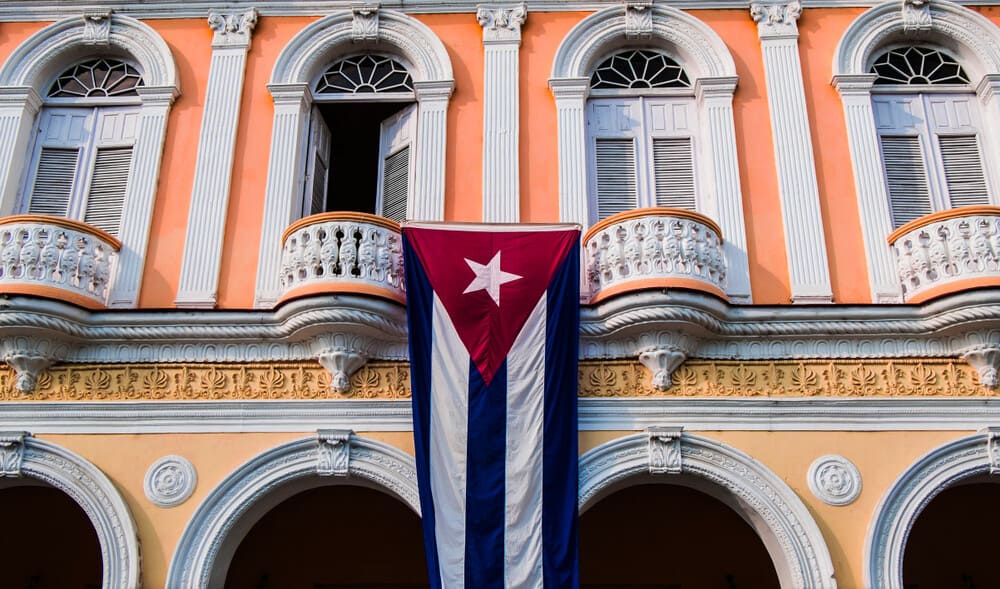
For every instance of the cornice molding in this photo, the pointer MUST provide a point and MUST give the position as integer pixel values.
(16, 10)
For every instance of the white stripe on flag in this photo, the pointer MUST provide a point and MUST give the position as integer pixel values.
(525, 422)
(448, 444)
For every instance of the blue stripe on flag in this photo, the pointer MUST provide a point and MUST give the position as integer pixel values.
(420, 299)
(485, 490)
(559, 464)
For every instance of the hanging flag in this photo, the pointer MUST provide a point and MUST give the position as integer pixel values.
(494, 328)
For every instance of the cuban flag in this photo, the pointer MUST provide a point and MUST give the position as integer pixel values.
(494, 328)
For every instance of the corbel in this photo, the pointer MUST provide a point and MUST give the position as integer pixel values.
(662, 362)
(11, 453)
(986, 361)
(365, 24)
(916, 15)
(333, 456)
(664, 449)
(97, 27)
(638, 19)
(341, 364)
(993, 448)
(29, 357)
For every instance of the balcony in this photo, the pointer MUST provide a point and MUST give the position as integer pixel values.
(654, 248)
(947, 251)
(342, 252)
(57, 258)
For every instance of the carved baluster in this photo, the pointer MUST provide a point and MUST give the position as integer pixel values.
(329, 252)
(688, 246)
(632, 249)
(958, 245)
(382, 258)
(366, 254)
(11, 252)
(30, 253)
(85, 270)
(937, 253)
(651, 250)
(349, 251)
(671, 247)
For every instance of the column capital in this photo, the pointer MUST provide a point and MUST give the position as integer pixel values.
(501, 22)
(570, 87)
(776, 20)
(232, 29)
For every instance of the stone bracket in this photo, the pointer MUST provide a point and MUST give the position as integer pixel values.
(11, 453)
(916, 15)
(365, 24)
(341, 364)
(97, 27)
(664, 449)
(638, 19)
(986, 361)
(993, 448)
(662, 362)
(333, 456)
(27, 367)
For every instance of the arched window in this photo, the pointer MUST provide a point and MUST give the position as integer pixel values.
(641, 134)
(929, 129)
(79, 165)
(367, 165)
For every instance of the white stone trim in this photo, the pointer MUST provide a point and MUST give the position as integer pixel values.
(713, 73)
(969, 35)
(206, 547)
(297, 66)
(91, 490)
(23, 79)
(170, 481)
(798, 189)
(834, 480)
(697, 414)
(202, 258)
(501, 111)
(772, 509)
(902, 504)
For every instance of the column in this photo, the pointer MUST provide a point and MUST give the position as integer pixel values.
(805, 243)
(432, 131)
(501, 42)
(18, 107)
(571, 98)
(199, 280)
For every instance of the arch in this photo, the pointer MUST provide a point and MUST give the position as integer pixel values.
(299, 63)
(775, 512)
(317, 45)
(969, 36)
(230, 510)
(902, 504)
(36, 61)
(712, 71)
(702, 51)
(23, 79)
(22, 455)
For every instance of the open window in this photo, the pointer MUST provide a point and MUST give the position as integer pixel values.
(361, 152)
(930, 133)
(641, 134)
(82, 154)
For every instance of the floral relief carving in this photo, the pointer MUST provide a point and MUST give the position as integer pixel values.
(638, 20)
(11, 454)
(776, 19)
(233, 28)
(365, 24)
(502, 23)
(834, 480)
(170, 481)
(917, 15)
(97, 27)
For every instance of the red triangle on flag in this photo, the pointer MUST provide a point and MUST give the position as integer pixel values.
(489, 278)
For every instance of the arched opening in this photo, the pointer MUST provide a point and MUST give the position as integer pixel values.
(50, 540)
(332, 537)
(670, 536)
(951, 544)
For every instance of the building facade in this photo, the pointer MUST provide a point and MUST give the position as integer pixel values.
(790, 309)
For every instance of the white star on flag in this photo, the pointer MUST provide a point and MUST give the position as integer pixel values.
(489, 277)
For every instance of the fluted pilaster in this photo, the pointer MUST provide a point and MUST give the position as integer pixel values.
(432, 131)
(199, 281)
(805, 243)
(18, 107)
(571, 96)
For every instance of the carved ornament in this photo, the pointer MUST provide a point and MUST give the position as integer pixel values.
(638, 20)
(502, 23)
(834, 480)
(916, 15)
(341, 364)
(365, 24)
(232, 29)
(11, 453)
(986, 362)
(662, 363)
(170, 481)
(334, 454)
(664, 450)
(97, 27)
(776, 19)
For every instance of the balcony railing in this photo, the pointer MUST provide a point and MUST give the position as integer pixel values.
(947, 251)
(57, 258)
(654, 248)
(342, 252)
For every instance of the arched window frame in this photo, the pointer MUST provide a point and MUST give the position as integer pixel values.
(962, 33)
(712, 72)
(307, 55)
(25, 77)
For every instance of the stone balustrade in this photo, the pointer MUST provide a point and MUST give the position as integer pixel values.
(342, 252)
(653, 248)
(947, 251)
(57, 257)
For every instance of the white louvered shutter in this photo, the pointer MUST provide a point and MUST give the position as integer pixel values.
(317, 165)
(954, 120)
(613, 128)
(670, 128)
(906, 178)
(55, 178)
(112, 159)
(395, 167)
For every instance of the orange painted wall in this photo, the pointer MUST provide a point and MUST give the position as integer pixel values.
(819, 32)
(539, 149)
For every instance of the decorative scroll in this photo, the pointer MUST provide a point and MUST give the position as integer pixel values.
(502, 23)
(946, 251)
(232, 29)
(775, 20)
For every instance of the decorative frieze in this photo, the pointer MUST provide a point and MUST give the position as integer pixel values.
(640, 247)
(364, 27)
(788, 378)
(343, 252)
(333, 456)
(947, 248)
(170, 481)
(39, 251)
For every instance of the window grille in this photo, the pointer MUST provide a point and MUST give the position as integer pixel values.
(639, 68)
(365, 74)
(918, 65)
(97, 78)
